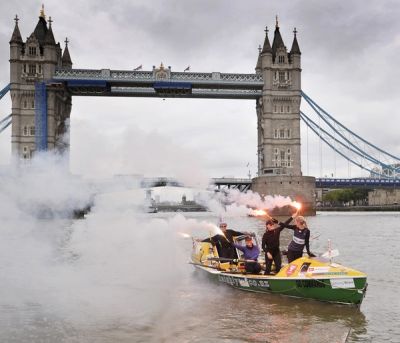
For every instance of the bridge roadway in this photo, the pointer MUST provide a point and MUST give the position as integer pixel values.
(244, 184)
(106, 82)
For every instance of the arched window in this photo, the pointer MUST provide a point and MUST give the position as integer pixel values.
(281, 59)
(32, 50)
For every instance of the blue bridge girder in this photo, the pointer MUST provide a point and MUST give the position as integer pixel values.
(105, 82)
(357, 183)
(372, 183)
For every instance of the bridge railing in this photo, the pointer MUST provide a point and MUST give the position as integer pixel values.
(115, 75)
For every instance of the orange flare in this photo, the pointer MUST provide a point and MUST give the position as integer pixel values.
(259, 213)
(296, 205)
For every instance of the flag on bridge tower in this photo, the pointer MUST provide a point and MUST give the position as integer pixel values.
(187, 68)
(138, 68)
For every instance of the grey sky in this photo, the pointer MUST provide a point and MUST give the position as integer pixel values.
(349, 60)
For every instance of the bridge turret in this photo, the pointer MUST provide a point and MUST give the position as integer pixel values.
(50, 53)
(66, 58)
(259, 64)
(16, 50)
(295, 59)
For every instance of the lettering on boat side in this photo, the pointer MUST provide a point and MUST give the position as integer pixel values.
(318, 270)
(310, 284)
(342, 283)
(243, 282)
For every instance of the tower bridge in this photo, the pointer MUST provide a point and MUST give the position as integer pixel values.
(43, 82)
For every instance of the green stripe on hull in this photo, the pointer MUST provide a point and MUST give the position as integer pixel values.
(321, 289)
(338, 290)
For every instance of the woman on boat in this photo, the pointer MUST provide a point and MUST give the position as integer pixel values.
(301, 239)
(250, 254)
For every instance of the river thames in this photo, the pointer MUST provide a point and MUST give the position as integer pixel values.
(120, 276)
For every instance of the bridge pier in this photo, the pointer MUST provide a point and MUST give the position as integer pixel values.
(299, 188)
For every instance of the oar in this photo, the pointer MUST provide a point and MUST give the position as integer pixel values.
(235, 260)
(203, 265)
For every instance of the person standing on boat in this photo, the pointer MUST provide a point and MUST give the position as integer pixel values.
(250, 254)
(270, 244)
(301, 239)
(224, 241)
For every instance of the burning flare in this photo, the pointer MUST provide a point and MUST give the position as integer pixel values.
(258, 213)
(296, 204)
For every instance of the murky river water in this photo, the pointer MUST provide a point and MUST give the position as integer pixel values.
(113, 279)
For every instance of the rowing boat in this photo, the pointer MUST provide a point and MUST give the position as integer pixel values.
(312, 278)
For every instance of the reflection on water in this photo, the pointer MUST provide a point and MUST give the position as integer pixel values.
(111, 293)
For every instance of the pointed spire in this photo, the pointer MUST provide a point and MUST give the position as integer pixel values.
(276, 22)
(259, 63)
(49, 38)
(41, 27)
(16, 35)
(66, 58)
(41, 14)
(278, 41)
(267, 46)
(295, 46)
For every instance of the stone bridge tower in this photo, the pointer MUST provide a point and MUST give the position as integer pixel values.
(278, 122)
(40, 109)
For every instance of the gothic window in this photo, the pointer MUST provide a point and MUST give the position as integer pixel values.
(32, 50)
(281, 133)
(32, 69)
(288, 133)
(32, 130)
(25, 105)
(282, 76)
(40, 68)
(281, 59)
(288, 109)
(25, 131)
(282, 155)
(275, 109)
(289, 163)
(25, 152)
(275, 133)
(282, 110)
(24, 67)
(276, 75)
(33, 104)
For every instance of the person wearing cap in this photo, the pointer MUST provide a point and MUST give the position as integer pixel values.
(224, 242)
(270, 244)
(250, 254)
(301, 238)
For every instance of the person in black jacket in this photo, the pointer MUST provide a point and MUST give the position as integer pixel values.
(270, 244)
(224, 242)
(301, 238)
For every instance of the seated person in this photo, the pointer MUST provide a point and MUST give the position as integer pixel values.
(250, 254)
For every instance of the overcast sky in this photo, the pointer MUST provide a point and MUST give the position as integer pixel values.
(350, 52)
